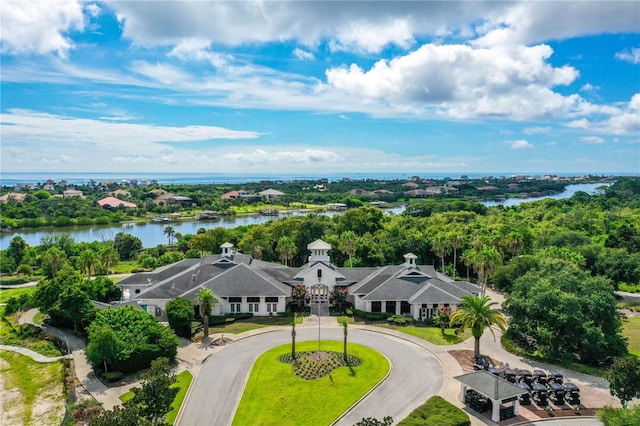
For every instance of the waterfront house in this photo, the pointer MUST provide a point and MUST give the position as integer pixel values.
(113, 203)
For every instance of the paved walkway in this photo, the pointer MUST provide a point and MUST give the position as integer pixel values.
(33, 355)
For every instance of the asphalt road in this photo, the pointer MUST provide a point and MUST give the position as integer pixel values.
(415, 375)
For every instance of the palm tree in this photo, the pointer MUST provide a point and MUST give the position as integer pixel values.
(344, 325)
(293, 340)
(109, 257)
(286, 249)
(477, 313)
(348, 244)
(206, 298)
(54, 257)
(487, 262)
(88, 261)
(169, 232)
(457, 242)
(441, 245)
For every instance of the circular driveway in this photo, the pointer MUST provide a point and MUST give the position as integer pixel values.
(415, 375)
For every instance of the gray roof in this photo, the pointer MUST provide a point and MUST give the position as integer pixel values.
(159, 274)
(490, 385)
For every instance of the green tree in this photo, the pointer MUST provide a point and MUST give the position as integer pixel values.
(180, 315)
(104, 347)
(52, 261)
(155, 396)
(127, 415)
(286, 249)
(206, 298)
(126, 245)
(88, 261)
(109, 257)
(477, 313)
(73, 306)
(624, 379)
(345, 324)
(348, 244)
(101, 289)
(611, 416)
(16, 249)
(169, 231)
(441, 245)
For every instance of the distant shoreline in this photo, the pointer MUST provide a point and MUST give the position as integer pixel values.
(12, 178)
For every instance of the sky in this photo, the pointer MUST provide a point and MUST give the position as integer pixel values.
(317, 87)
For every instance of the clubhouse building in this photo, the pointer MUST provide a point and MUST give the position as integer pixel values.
(245, 284)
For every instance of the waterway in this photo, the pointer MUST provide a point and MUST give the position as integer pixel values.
(152, 234)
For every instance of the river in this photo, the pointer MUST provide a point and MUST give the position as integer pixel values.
(152, 234)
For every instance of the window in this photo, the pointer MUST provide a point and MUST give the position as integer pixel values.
(272, 307)
(137, 291)
(235, 308)
(254, 307)
(391, 307)
(376, 306)
(235, 300)
(319, 273)
(253, 299)
(271, 299)
(405, 307)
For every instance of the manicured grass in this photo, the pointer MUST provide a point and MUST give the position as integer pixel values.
(432, 334)
(274, 395)
(631, 330)
(6, 294)
(183, 381)
(32, 380)
(240, 326)
(437, 411)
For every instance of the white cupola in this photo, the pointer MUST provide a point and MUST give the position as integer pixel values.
(319, 251)
(410, 260)
(227, 250)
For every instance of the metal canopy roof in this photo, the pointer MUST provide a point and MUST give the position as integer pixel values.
(490, 385)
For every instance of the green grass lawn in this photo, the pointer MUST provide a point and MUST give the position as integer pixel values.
(274, 395)
(25, 382)
(183, 380)
(631, 330)
(240, 326)
(8, 336)
(432, 334)
(5, 294)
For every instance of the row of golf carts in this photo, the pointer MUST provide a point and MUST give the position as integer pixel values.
(542, 387)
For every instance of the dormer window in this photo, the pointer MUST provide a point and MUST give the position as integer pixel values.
(319, 274)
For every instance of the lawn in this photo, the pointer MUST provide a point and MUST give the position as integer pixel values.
(432, 334)
(9, 336)
(631, 330)
(240, 326)
(183, 380)
(33, 393)
(273, 395)
(6, 294)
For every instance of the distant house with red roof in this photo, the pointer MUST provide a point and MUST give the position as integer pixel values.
(487, 188)
(233, 194)
(113, 203)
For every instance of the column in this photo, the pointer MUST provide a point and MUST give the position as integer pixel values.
(495, 412)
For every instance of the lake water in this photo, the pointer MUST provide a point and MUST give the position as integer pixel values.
(152, 234)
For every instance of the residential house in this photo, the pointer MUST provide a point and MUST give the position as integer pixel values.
(15, 196)
(245, 284)
(72, 193)
(114, 203)
(271, 194)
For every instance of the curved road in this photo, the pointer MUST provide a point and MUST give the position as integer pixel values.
(415, 375)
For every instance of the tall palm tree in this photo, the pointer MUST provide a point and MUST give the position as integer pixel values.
(293, 340)
(348, 244)
(286, 249)
(477, 313)
(441, 246)
(55, 258)
(344, 325)
(487, 262)
(109, 256)
(206, 298)
(88, 261)
(457, 242)
(169, 232)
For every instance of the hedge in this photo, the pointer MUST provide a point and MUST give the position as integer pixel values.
(436, 411)
(373, 316)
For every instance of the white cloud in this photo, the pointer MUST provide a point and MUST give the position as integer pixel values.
(520, 144)
(594, 140)
(536, 130)
(303, 54)
(198, 50)
(632, 55)
(515, 83)
(587, 88)
(372, 38)
(39, 27)
(582, 123)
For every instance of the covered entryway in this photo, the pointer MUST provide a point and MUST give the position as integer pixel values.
(482, 391)
(319, 299)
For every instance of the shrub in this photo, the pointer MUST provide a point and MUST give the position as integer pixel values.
(400, 320)
(112, 376)
(437, 411)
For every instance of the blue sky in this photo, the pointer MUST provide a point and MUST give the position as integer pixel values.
(319, 87)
